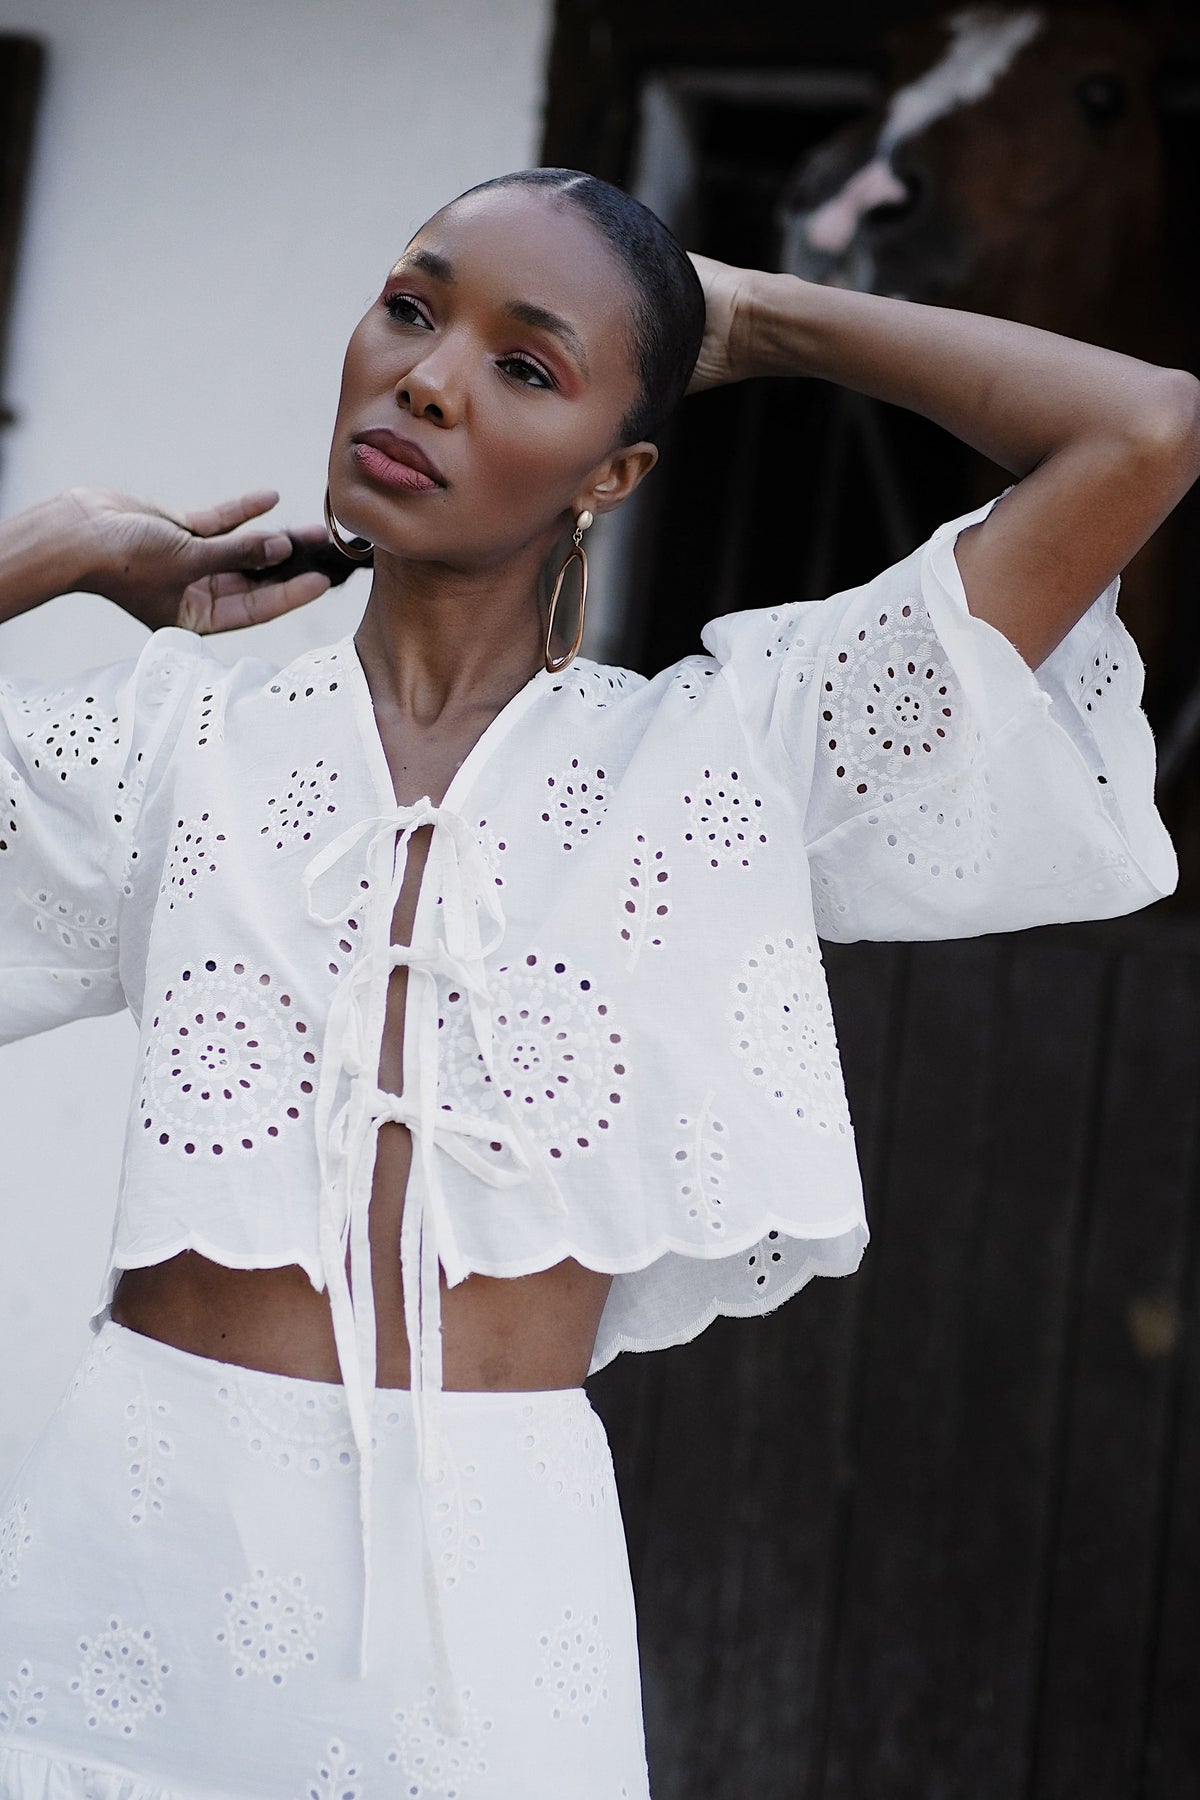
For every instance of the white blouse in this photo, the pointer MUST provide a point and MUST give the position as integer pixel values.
(618, 1041)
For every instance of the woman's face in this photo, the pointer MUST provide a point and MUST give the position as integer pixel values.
(498, 360)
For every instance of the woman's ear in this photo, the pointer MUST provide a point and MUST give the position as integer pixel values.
(618, 476)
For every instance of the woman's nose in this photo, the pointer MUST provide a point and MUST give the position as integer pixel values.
(432, 389)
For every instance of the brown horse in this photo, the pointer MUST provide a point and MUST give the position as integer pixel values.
(1014, 165)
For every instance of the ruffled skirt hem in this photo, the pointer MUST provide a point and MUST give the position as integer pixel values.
(29, 1775)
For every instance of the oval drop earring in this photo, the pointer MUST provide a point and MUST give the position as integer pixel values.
(357, 549)
(577, 554)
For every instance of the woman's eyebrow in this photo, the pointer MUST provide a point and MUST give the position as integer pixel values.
(526, 312)
(440, 267)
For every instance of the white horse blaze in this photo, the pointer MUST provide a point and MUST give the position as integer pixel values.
(983, 44)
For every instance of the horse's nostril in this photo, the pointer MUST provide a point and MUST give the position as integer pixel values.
(889, 212)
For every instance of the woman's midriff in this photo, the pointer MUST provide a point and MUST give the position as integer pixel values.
(528, 1331)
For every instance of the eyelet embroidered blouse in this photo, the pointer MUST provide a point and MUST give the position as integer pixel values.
(618, 1039)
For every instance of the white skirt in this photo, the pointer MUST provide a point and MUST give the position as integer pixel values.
(181, 1591)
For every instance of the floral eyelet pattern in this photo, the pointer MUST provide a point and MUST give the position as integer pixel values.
(10, 808)
(149, 1447)
(596, 684)
(195, 853)
(567, 1455)
(434, 1766)
(347, 945)
(22, 1701)
(314, 674)
(64, 738)
(784, 638)
(289, 1426)
(766, 1262)
(724, 820)
(457, 1507)
(98, 1354)
(692, 677)
(304, 803)
(699, 1158)
(493, 842)
(950, 836)
(1096, 680)
(575, 1659)
(205, 718)
(889, 711)
(783, 1031)
(338, 1777)
(558, 1055)
(16, 1535)
(121, 1678)
(228, 1067)
(644, 901)
(87, 936)
(270, 1627)
(575, 802)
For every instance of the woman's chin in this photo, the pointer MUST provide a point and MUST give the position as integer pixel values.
(391, 528)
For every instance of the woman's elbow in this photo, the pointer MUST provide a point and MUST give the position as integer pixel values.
(1167, 430)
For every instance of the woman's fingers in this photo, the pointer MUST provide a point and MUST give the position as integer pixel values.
(244, 550)
(233, 600)
(720, 359)
(227, 515)
(250, 549)
(229, 592)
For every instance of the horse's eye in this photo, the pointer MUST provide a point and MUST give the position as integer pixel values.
(1102, 99)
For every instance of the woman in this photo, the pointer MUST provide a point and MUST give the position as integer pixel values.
(483, 1026)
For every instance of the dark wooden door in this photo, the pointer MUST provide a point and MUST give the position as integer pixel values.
(932, 1530)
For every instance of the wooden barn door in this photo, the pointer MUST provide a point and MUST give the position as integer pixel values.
(930, 1532)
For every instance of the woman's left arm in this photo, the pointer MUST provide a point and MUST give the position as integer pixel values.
(1104, 445)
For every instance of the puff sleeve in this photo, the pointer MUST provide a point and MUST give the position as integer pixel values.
(947, 788)
(73, 764)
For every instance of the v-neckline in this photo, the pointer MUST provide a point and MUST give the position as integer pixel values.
(492, 733)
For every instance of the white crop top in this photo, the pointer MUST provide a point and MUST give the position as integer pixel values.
(618, 1040)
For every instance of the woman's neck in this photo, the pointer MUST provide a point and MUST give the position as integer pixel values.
(436, 641)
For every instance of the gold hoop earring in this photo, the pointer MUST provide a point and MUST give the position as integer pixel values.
(357, 549)
(577, 554)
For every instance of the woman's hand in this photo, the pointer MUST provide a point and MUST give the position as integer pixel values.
(192, 569)
(724, 351)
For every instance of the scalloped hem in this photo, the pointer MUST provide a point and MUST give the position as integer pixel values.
(28, 1775)
(845, 1257)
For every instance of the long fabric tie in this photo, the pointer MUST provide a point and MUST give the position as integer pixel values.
(497, 1150)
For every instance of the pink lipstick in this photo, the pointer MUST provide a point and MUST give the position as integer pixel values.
(391, 473)
(396, 461)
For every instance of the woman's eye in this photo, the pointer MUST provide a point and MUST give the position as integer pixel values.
(528, 373)
(407, 311)
(404, 309)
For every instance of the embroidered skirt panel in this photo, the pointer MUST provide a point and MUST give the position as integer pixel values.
(180, 1589)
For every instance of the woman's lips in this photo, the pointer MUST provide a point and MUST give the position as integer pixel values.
(392, 473)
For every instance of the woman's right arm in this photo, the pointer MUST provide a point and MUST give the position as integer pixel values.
(199, 570)
(74, 754)
(44, 551)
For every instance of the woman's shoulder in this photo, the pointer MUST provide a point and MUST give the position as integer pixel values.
(173, 648)
(596, 684)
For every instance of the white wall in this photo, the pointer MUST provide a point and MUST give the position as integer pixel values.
(218, 191)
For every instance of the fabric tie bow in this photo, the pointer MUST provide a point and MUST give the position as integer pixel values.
(498, 1151)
